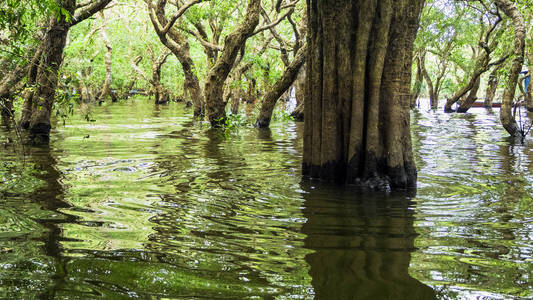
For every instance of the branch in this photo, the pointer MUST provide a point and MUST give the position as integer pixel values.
(88, 11)
(179, 13)
(275, 23)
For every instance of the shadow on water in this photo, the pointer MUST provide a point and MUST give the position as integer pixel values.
(362, 244)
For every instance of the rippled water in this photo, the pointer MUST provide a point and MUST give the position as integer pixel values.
(146, 203)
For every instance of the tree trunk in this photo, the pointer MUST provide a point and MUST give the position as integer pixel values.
(357, 127)
(467, 103)
(179, 46)
(106, 89)
(298, 113)
(492, 86)
(506, 116)
(46, 79)
(214, 86)
(280, 87)
(417, 88)
(162, 95)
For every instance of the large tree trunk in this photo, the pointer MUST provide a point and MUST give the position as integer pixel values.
(506, 116)
(280, 87)
(357, 127)
(214, 86)
(465, 105)
(47, 75)
(492, 86)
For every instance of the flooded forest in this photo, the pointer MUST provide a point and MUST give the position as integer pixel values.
(266, 149)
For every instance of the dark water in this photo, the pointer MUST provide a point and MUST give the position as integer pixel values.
(145, 203)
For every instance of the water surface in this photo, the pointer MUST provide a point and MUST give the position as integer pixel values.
(147, 203)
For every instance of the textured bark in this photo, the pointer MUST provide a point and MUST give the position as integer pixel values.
(506, 117)
(27, 106)
(467, 103)
(214, 86)
(161, 94)
(83, 13)
(280, 87)
(357, 127)
(417, 88)
(178, 44)
(43, 73)
(492, 86)
(47, 75)
(298, 113)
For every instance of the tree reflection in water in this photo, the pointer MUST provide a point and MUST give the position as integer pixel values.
(362, 244)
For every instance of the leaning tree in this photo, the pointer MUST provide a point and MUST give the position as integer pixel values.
(357, 127)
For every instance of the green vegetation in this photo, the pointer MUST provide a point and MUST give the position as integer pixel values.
(154, 149)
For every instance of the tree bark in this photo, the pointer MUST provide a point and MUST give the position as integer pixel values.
(417, 88)
(179, 46)
(280, 87)
(506, 116)
(47, 75)
(465, 105)
(298, 113)
(492, 86)
(357, 127)
(214, 86)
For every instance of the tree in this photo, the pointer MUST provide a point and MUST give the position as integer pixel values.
(506, 117)
(357, 127)
(488, 41)
(214, 85)
(176, 42)
(38, 104)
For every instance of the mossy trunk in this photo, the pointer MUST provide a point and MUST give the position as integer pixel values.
(280, 87)
(216, 78)
(506, 116)
(467, 103)
(357, 127)
(492, 86)
(178, 44)
(42, 99)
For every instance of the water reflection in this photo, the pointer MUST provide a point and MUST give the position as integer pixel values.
(362, 245)
(147, 203)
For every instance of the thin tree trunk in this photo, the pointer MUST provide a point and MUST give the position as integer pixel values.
(280, 87)
(214, 86)
(298, 113)
(106, 89)
(492, 86)
(465, 105)
(417, 88)
(506, 117)
(179, 46)
(357, 127)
